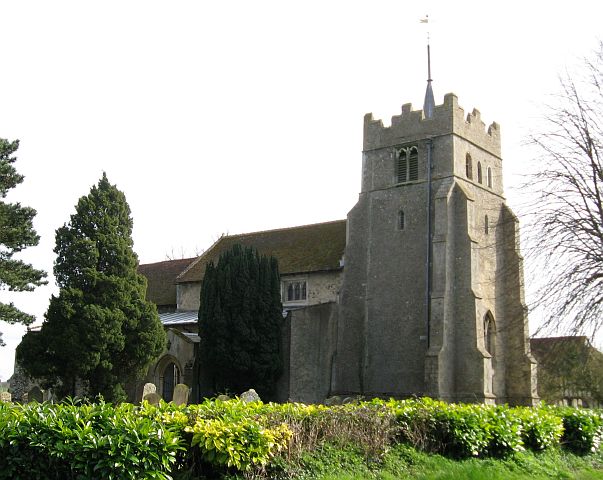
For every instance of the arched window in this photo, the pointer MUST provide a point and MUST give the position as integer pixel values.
(489, 334)
(486, 225)
(407, 164)
(171, 378)
(489, 177)
(401, 220)
(479, 172)
(469, 167)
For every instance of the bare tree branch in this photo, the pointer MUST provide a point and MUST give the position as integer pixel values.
(565, 218)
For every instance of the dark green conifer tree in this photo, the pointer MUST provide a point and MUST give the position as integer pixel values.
(240, 320)
(99, 329)
(16, 233)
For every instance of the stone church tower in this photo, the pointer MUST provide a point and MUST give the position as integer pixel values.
(432, 298)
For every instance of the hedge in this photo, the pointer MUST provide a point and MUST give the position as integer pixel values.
(87, 441)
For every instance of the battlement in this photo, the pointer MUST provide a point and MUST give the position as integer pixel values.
(448, 118)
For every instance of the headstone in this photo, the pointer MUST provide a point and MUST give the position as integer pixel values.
(335, 400)
(5, 397)
(250, 396)
(148, 388)
(35, 394)
(223, 398)
(24, 398)
(48, 396)
(152, 398)
(180, 394)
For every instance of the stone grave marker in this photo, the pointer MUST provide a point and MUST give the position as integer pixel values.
(148, 388)
(35, 394)
(152, 398)
(5, 397)
(180, 394)
(250, 396)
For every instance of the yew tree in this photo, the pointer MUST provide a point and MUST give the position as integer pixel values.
(240, 321)
(16, 233)
(99, 329)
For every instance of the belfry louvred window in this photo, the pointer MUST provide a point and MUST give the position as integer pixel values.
(407, 164)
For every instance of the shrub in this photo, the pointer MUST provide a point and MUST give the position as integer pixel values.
(67, 441)
(582, 429)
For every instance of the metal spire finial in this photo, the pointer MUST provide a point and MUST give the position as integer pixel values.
(429, 103)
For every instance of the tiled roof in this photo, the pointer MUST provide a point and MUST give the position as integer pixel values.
(308, 248)
(161, 279)
(547, 348)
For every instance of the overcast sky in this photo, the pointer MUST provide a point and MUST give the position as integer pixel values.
(228, 117)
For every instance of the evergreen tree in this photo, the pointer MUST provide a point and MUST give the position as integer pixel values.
(99, 329)
(16, 233)
(240, 321)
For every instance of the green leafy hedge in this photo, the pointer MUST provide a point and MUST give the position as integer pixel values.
(87, 441)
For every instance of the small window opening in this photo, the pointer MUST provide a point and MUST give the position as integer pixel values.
(295, 291)
(469, 167)
(486, 225)
(479, 172)
(401, 220)
(489, 333)
(489, 177)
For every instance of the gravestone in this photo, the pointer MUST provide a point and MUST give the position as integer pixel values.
(331, 401)
(48, 396)
(250, 396)
(223, 398)
(24, 398)
(180, 394)
(148, 388)
(35, 395)
(5, 397)
(152, 398)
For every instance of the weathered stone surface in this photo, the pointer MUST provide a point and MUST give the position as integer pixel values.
(5, 397)
(148, 388)
(347, 400)
(35, 395)
(152, 398)
(223, 398)
(250, 396)
(335, 400)
(181, 392)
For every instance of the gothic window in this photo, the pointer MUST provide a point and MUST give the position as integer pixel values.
(479, 172)
(407, 165)
(489, 177)
(469, 167)
(486, 225)
(295, 291)
(489, 333)
(171, 378)
(401, 220)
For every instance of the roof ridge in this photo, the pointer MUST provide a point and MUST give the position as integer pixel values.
(285, 228)
(168, 261)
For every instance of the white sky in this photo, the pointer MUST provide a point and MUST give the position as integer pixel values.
(227, 117)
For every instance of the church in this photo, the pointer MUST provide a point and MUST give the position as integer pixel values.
(419, 291)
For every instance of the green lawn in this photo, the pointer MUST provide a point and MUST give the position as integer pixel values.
(330, 463)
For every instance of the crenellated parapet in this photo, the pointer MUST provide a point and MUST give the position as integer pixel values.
(448, 118)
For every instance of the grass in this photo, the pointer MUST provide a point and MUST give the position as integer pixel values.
(403, 462)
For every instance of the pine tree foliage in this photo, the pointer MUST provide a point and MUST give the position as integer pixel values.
(16, 233)
(99, 329)
(240, 320)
